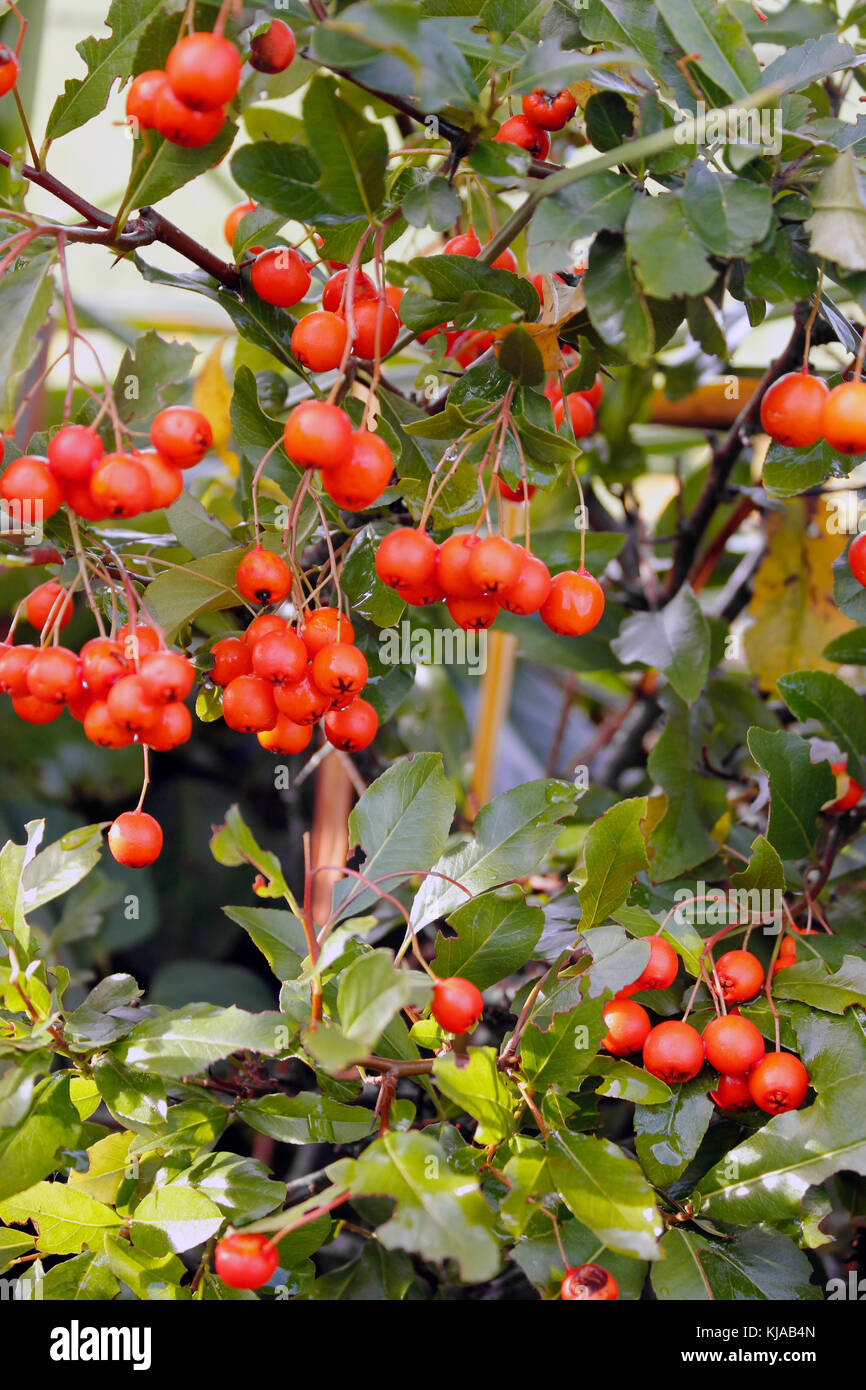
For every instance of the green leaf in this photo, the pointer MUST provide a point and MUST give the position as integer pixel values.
(764, 871)
(616, 304)
(788, 472)
(87, 1277)
(478, 1087)
(432, 203)
(172, 1219)
(108, 1161)
(682, 838)
(718, 42)
(668, 1136)
(376, 1275)
(153, 1278)
(351, 151)
(625, 1081)
(512, 834)
(197, 531)
(609, 120)
(372, 991)
(495, 935)
(29, 1151)
(520, 356)
(822, 696)
(187, 1040)
(837, 226)
(307, 1118)
(233, 844)
(65, 1219)
(134, 1098)
(668, 257)
(728, 214)
(160, 168)
(280, 177)
(599, 203)
(14, 860)
(564, 1052)
(541, 1261)
(106, 60)
(61, 865)
(753, 1265)
(606, 1190)
(438, 285)
(240, 1187)
(811, 982)
(615, 851)
(440, 1212)
(200, 586)
(798, 789)
(279, 935)
(25, 299)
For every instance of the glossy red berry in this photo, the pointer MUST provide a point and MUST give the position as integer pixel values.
(136, 642)
(181, 435)
(857, 558)
(589, 1282)
(172, 728)
(167, 677)
(262, 625)
(851, 791)
(494, 564)
(422, 595)
(517, 130)
(660, 970)
(376, 328)
(340, 670)
(103, 664)
(8, 69)
(303, 702)
(182, 126)
(141, 98)
(335, 292)
(318, 435)
(263, 577)
(732, 1094)
(102, 729)
(47, 603)
(530, 589)
(231, 657)
(778, 1083)
(844, 419)
(204, 71)
(787, 954)
(73, 453)
(550, 110)
(740, 976)
(29, 482)
(281, 276)
(733, 1044)
(466, 244)
(362, 476)
(248, 705)
(474, 614)
(352, 728)
(323, 626)
(54, 675)
(457, 1004)
(14, 665)
(166, 481)
(628, 1026)
(280, 657)
(319, 340)
(273, 50)
(792, 410)
(574, 605)
(673, 1051)
(234, 220)
(286, 736)
(35, 711)
(406, 557)
(245, 1261)
(121, 486)
(130, 705)
(135, 839)
(452, 566)
(580, 414)
(80, 500)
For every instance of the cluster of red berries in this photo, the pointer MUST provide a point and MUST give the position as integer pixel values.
(582, 405)
(278, 682)
(186, 103)
(799, 409)
(95, 485)
(355, 465)
(675, 1052)
(476, 577)
(542, 112)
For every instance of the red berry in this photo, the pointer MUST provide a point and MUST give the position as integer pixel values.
(130, 705)
(452, 566)
(340, 670)
(457, 1004)
(180, 125)
(323, 626)
(204, 71)
(102, 729)
(30, 482)
(121, 486)
(857, 558)
(135, 839)
(376, 326)
(138, 642)
(353, 728)
(245, 1261)
(467, 346)
(8, 69)
(517, 130)
(54, 675)
(81, 501)
(281, 276)
(628, 1027)
(580, 413)
(787, 954)
(740, 975)
(574, 605)
(673, 1051)
(422, 595)
(466, 244)
(792, 410)
(234, 220)
(35, 711)
(181, 435)
(141, 98)
(318, 435)
(273, 50)
(232, 657)
(530, 588)
(733, 1044)
(103, 664)
(732, 1094)
(46, 603)
(506, 261)
(851, 793)
(334, 293)
(319, 341)
(286, 736)
(302, 702)
(778, 1083)
(73, 453)
(362, 476)
(660, 970)
(166, 481)
(172, 728)
(167, 677)
(494, 564)
(248, 705)
(844, 418)
(406, 557)
(280, 657)
(550, 110)
(263, 577)
(589, 1282)
(261, 626)
(474, 614)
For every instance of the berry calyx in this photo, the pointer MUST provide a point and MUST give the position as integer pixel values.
(457, 1004)
(474, 614)
(135, 839)
(778, 1083)
(245, 1261)
(281, 277)
(549, 110)
(792, 410)
(588, 1282)
(340, 670)
(628, 1027)
(318, 435)
(733, 1044)
(362, 476)
(673, 1051)
(319, 340)
(517, 130)
(263, 577)
(740, 976)
(353, 728)
(181, 435)
(844, 420)
(274, 50)
(574, 605)
(732, 1094)
(204, 71)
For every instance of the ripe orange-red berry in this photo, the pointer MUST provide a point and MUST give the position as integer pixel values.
(588, 1282)
(172, 728)
(628, 1027)
(141, 97)
(318, 435)
(323, 626)
(102, 729)
(273, 50)
(851, 793)
(406, 557)
(166, 481)
(181, 435)
(792, 410)
(121, 486)
(234, 219)
(340, 670)
(778, 1083)
(474, 614)
(281, 276)
(286, 736)
(302, 702)
(574, 605)
(167, 677)
(857, 558)
(530, 589)
(14, 665)
(732, 1044)
(73, 453)
(740, 976)
(248, 705)
(245, 1261)
(376, 328)
(47, 602)
(29, 482)
(54, 675)
(8, 69)
(319, 340)
(280, 657)
(135, 839)
(130, 705)
(335, 291)
(517, 130)
(204, 71)
(732, 1094)
(673, 1051)
(550, 110)
(452, 566)
(660, 970)
(362, 476)
(353, 728)
(103, 664)
(494, 564)
(580, 413)
(263, 577)
(232, 657)
(182, 126)
(844, 419)
(457, 1004)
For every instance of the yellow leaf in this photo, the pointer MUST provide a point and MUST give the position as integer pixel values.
(108, 1165)
(212, 395)
(792, 608)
